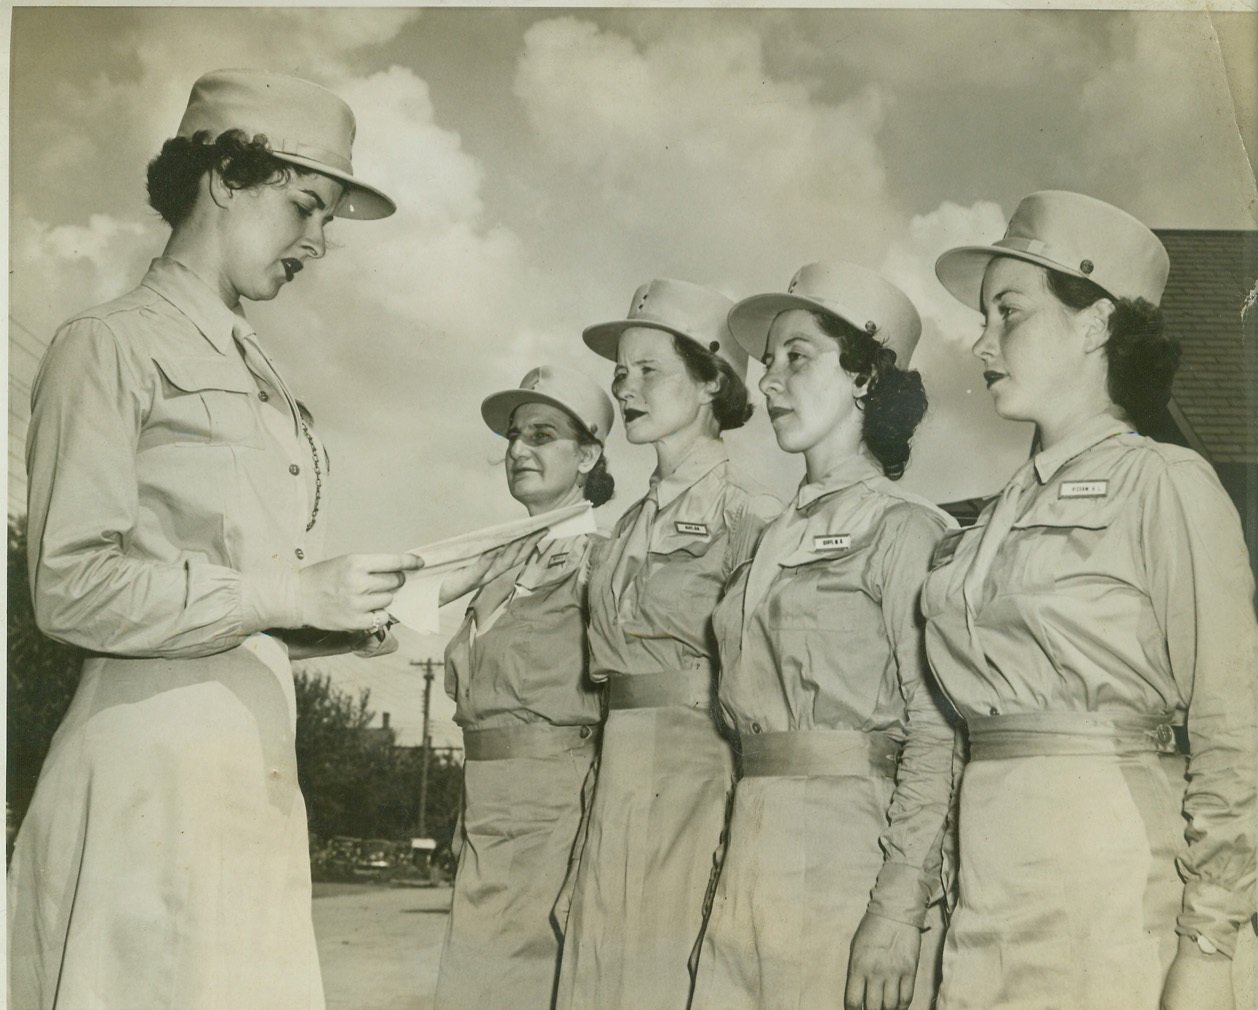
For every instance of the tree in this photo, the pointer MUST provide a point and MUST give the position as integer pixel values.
(42, 677)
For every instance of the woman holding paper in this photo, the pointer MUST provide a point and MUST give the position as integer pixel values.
(666, 771)
(175, 487)
(1096, 618)
(516, 670)
(846, 755)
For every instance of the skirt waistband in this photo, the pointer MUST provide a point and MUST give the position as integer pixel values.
(534, 739)
(668, 688)
(1050, 734)
(820, 752)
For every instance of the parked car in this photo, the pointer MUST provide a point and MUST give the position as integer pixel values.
(376, 857)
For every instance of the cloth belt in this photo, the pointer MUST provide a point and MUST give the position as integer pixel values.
(1048, 734)
(668, 688)
(820, 752)
(532, 739)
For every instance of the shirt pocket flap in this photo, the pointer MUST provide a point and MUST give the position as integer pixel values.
(194, 375)
(1072, 513)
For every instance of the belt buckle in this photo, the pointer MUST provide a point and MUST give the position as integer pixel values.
(1164, 738)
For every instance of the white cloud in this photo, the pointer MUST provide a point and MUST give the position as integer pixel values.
(697, 152)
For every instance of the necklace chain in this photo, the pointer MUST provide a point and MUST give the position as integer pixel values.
(314, 455)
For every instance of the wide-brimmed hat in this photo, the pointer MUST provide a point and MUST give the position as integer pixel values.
(569, 390)
(852, 293)
(304, 124)
(678, 307)
(1071, 233)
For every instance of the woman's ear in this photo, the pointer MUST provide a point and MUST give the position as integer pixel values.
(589, 455)
(709, 390)
(1096, 324)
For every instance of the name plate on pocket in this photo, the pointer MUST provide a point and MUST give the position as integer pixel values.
(1083, 489)
(832, 542)
(695, 529)
(557, 560)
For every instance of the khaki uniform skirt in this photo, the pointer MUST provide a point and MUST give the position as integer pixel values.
(802, 860)
(648, 859)
(164, 862)
(1068, 888)
(525, 789)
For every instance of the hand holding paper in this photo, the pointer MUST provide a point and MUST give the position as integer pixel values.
(416, 603)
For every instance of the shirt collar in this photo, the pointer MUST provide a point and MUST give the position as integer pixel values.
(194, 298)
(1095, 431)
(852, 470)
(705, 456)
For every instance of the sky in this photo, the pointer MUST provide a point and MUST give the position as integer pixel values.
(546, 162)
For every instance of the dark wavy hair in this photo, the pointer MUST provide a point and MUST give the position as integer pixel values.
(893, 401)
(174, 176)
(731, 406)
(600, 485)
(1142, 359)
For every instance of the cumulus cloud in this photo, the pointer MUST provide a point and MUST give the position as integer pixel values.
(697, 151)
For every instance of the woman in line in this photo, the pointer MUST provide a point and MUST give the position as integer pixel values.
(666, 770)
(516, 670)
(846, 755)
(1099, 612)
(175, 487)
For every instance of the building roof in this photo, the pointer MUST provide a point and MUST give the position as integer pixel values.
(1215, 399)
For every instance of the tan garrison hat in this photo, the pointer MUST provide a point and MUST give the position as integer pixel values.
(565, 388)
(1074, 234)
(304, 124)
(856, 295)
(677, 307)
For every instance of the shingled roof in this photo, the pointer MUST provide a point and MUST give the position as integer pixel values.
(1215, 400)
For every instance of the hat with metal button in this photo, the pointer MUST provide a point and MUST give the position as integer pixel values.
(1073, 234)
(304, 124)
(571, 391)
(680, 308)
(852, 293)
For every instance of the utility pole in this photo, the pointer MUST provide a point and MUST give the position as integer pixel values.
(427, 664)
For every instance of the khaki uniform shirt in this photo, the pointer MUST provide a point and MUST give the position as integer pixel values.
(1123, 587)
(519, 656)
(168, 501)
(822, 631)
(710, 518)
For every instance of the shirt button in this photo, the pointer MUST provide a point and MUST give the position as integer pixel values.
(755, 727)
(263, 395)
(294, 469)
(301, 555)
(993, 711)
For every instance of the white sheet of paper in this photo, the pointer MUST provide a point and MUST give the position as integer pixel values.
(416, 603)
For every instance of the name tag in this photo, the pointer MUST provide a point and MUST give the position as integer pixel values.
(557, 560)
(832, 542)
(1083, 489)
(697, 529)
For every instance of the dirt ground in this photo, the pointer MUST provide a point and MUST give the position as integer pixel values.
(379, 945)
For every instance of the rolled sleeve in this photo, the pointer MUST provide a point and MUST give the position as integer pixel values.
(1202, 591)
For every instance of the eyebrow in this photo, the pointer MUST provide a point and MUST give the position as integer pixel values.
(984, 302)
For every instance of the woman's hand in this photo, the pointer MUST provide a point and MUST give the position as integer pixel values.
(350, 593)
(488, 567)
(882, 969)
(1198, 981)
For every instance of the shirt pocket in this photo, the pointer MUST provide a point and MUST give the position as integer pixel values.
(814, 588)
(1057, 539)
(205, 401)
